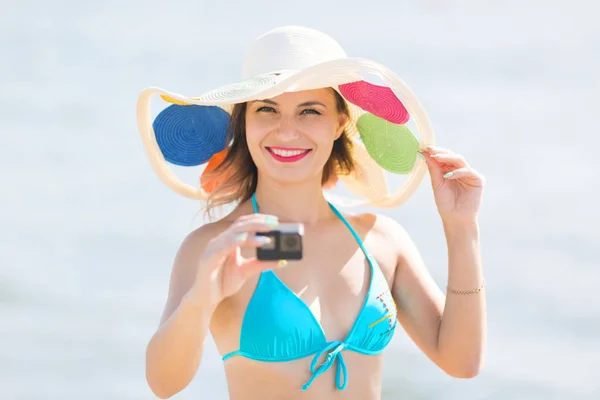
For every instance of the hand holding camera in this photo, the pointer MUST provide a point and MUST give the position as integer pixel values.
(285, 243)
(222, 270)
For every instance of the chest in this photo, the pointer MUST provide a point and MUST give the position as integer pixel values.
(335, 279)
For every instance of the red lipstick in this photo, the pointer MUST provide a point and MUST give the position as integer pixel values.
(287, 154)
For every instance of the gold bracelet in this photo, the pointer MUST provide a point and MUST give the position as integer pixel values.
(474, 291)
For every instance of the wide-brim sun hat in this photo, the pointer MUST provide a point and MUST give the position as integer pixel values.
(192, 131)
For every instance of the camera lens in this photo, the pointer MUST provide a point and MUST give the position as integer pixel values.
(291, 243)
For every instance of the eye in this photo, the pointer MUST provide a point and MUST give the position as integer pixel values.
(310, 111)
(266, 109)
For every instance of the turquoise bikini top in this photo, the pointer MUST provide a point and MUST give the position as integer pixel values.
(278, 326)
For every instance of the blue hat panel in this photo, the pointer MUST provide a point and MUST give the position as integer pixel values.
(190, 135)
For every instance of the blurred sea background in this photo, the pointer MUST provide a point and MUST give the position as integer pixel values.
(89, 232)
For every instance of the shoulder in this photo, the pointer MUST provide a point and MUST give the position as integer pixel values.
(380, 227)
(185, 264)
(195, 241)
(385, 238)
(190, 250)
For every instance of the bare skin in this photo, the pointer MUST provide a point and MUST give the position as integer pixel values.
(321, 280)
(215, 273)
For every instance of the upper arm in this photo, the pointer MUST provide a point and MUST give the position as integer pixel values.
(419, 300)
(185, 266)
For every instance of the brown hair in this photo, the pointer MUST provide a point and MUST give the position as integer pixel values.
(238, 175)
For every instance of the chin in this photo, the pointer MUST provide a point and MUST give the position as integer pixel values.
(283, 177)
(289, 167)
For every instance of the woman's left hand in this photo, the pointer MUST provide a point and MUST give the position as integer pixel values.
(457, 187)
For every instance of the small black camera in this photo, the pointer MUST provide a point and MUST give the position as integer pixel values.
(286, 243)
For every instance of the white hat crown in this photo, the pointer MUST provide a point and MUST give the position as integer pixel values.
(289, 48)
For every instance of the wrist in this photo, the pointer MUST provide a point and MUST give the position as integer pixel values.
(197, 301)
(453, 225)
(460, 233)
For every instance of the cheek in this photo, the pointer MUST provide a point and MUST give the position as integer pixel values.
(321, 132)
(255, 133)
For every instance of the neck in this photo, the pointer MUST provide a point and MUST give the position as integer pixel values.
(304, 202)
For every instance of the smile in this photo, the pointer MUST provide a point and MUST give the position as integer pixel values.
(283, 154)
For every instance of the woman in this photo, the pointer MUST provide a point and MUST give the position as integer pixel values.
(316, 327)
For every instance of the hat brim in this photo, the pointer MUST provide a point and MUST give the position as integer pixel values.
(368, 182)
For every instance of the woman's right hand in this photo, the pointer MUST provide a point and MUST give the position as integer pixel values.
(222, 270)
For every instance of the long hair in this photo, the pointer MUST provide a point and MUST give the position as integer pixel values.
(240, 173)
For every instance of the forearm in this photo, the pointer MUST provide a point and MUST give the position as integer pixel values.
(462, 334)
(174, 352)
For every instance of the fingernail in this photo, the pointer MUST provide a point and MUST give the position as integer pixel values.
(448, 175)
(271, 220)
(263, 239)
(241, 237)
(281, 263)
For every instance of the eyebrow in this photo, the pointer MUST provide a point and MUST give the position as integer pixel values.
(305, 104)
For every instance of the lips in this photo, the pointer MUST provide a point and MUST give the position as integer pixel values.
(288, 154)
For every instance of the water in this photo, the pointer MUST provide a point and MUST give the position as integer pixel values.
(89, 234)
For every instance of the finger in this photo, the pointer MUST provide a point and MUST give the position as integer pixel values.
(252, 226)
(435, 170)
(254, 217)
(243, 233)
(432, 149)
(249, 237)
(256, 241)
(222, 247)
(465, 173)
(452, 159)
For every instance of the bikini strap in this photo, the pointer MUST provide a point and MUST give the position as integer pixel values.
(341, 217)
(254, 205)
(356, 237)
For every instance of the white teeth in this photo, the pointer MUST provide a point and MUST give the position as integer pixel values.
(288, 153)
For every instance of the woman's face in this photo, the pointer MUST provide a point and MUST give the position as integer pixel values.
(290, 136)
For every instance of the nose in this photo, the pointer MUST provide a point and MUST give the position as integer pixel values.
(288, 130)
